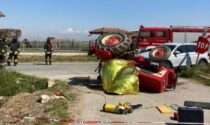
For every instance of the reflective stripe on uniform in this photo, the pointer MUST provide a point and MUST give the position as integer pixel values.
(16, 52)
(9, 60)
(47, 52)
(15, 60)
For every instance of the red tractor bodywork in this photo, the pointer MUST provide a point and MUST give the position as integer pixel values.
(155, 79)
(154, 36)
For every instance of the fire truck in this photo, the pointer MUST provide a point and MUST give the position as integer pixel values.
(154, 36)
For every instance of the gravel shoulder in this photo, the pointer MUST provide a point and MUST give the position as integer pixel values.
(90, 100)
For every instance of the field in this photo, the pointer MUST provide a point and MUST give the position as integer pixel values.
(200, 75)
(76, 58)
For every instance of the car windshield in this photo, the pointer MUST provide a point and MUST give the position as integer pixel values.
(170, 46)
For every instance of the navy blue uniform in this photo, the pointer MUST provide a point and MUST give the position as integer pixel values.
(48, 53)
(3, 51)
(14, 48)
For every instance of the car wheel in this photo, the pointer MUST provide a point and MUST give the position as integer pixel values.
(202, 64)
(115, 42)
(167, 64)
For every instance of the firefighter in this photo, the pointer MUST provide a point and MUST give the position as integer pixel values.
(48, 52)
(3, 51)
(14, 48)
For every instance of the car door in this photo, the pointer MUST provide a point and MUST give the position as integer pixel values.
(192, 55)
(180, 56)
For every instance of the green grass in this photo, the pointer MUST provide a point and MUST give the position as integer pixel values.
(12, 83)
(195, 73)
(81, 58)
(59, 85)
(62, 87)
(57, 108)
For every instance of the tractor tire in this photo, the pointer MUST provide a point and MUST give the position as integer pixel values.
(119, 43)
(159, 54)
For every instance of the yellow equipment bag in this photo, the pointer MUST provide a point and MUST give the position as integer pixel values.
(119, 77)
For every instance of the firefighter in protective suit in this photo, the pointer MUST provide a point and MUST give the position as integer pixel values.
(48, 52)
(14, 48)
(3, 51)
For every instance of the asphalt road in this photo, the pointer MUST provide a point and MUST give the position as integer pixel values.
(55, 53)
(62, 71)
(91, 101)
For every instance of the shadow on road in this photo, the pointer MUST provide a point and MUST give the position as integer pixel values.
(96, 84)
(87, 82)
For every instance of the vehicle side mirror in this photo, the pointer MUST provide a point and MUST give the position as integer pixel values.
(177, 52)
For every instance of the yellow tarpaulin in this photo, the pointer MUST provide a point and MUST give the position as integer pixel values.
(119, 77)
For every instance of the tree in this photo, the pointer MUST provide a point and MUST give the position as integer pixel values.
(10, 33)
(26, 43)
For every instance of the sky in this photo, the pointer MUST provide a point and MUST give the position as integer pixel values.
(72, 19)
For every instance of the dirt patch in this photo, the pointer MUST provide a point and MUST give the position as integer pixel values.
(23, 104)
(76, 108)
(26, 104)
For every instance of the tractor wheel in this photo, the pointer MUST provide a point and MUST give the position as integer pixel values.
(116, 42)
(159, 54)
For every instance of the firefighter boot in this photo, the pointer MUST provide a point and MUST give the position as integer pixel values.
(46, 62)
(50, 62)
(15, 63)
(1, 62)
(8, 63)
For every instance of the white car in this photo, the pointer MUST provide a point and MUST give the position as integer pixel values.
(182, 55)
(147, 49)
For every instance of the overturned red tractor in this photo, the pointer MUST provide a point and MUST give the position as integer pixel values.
(155, 78)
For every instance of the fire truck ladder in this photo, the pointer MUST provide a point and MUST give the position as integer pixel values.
(190, 28)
